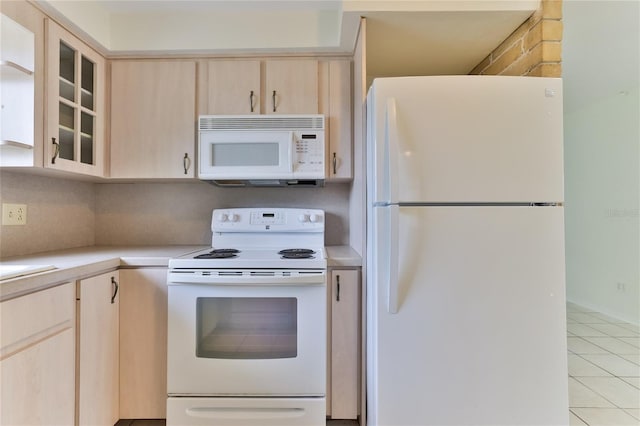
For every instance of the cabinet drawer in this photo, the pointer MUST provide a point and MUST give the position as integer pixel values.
(30, 318)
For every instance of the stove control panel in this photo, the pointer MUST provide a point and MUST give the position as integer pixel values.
(267, 220)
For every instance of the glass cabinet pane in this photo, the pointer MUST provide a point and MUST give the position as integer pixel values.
(246, 328)
(87, 124)
(88, 83)
(67, 72)
(67, 131)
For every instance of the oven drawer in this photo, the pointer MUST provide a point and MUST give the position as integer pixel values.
(246, 411)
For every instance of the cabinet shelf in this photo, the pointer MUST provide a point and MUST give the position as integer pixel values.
(70, 131)
(8, 65)
(15, 144)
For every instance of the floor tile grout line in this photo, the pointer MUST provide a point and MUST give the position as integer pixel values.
(595, 365)
(599, 394)
(602, 316)
(609, 353)
(619, 340)
(606, 351)
(581, 419)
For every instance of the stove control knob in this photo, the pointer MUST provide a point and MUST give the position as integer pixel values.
(234, 217)
(315, 218)
(303, 218)
(222, 217)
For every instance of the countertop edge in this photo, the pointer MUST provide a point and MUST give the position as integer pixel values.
(83, 262)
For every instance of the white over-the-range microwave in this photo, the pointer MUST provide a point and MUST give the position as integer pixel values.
(267, 150)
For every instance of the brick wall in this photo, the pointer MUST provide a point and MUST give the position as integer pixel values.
(534, 49)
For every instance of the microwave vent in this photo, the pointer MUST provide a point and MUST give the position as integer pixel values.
(261, 122)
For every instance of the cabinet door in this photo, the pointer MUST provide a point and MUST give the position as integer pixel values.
(143, 343)
(153, 119)
(37, 358)
(345, 317)
(98, 360)
(291, 86)
(75, 104)
(233, 87)
(339, 135)
(38, 383)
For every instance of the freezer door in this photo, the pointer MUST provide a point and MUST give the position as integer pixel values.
(478, 334)
(465, 139)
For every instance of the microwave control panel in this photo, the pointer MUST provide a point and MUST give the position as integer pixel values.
(308, 152)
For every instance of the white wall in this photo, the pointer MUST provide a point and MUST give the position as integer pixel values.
(602, 155)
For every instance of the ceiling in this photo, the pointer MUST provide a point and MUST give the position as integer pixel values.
(404, 37)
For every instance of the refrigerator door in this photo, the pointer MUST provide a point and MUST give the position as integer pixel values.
(478, 336)
(465, 139)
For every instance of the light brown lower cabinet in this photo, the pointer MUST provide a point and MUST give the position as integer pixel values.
(37, 358)
(143, 343)
(344, 296)
(104, 358)
(97, 349)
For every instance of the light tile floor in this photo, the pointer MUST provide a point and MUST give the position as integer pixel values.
(604, 369)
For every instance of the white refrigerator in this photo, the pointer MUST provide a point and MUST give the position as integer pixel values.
(465, 253)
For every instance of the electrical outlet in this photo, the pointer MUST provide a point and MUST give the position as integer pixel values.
(14, 214)
(622, 287)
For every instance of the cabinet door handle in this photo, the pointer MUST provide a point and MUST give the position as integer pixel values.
(114, 283)
(335, 163)
(251, 104)
(186, 162)
(56, 152)
(337, 288)
(273, 100)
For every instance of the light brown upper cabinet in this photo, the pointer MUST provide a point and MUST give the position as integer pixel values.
(287, 86)
(75, 104)
(153, 119)
(291, 87)
(233, 87)
(273, 86)
(338, 111)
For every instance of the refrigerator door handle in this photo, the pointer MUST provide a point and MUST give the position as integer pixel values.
(394, 245)
(391, 145)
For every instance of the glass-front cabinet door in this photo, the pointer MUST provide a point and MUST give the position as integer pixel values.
(75, 104)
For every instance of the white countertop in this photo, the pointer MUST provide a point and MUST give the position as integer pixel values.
(83, 262)
(342, 256)
(56, 267)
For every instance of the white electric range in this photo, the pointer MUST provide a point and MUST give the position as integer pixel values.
(247, 322)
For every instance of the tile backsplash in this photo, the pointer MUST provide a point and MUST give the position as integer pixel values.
(180, 213)
(65, 213)
(60, 213)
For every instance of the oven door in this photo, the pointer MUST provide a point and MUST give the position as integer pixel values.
(250, 336)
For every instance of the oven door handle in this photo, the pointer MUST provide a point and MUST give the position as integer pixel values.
(244, 413)
(176, 278)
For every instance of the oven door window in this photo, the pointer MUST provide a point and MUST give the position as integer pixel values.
(246, 327)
